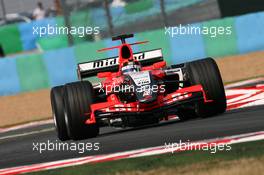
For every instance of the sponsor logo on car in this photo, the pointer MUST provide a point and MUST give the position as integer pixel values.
(105, 63)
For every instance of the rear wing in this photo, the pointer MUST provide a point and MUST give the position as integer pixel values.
(91, 68)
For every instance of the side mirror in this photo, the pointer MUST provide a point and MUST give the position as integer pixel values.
(104, 74)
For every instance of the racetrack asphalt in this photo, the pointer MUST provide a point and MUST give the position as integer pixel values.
(16, 147)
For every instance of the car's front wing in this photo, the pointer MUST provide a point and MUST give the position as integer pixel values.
(114, 107)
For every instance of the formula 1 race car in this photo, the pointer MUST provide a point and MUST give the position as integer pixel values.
(136, 89)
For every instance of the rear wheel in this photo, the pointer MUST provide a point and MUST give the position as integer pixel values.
(78, 97)
(206, 73)
(56, 96)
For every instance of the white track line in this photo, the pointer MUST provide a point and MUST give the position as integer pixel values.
(27, 125)
(26, 134)
(129, 154)
(243, 83)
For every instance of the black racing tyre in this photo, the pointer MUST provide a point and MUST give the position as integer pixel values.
(206, 73)
(78, 97)
(57, 104)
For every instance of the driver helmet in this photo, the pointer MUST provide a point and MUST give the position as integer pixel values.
(131, 66)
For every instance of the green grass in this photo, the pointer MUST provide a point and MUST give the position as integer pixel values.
(238, 151)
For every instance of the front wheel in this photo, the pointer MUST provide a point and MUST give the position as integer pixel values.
(57, 104)
(206, 73)
(78, 97)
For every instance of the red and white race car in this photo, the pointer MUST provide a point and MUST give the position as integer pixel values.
(136, 89)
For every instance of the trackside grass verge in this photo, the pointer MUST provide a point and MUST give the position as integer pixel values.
(243, 158)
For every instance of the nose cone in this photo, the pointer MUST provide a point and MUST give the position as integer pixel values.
(148, 96)
(144, 84)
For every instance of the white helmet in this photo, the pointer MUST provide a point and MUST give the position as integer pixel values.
(131, 66)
